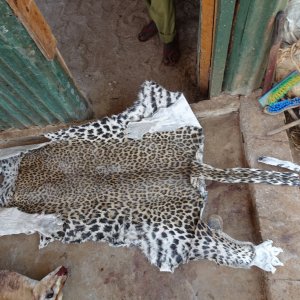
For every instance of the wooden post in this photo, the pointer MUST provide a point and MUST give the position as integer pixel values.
(207, 17)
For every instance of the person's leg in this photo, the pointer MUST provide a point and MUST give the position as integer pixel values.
(162, 12)
(148, 30)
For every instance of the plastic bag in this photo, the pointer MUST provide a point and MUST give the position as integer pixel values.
(291, 30)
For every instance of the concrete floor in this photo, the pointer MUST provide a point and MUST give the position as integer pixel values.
(277, 207)
(98, 41)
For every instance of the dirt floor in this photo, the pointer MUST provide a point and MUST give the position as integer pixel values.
(98, 41)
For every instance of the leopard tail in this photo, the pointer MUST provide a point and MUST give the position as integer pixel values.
(241, 175)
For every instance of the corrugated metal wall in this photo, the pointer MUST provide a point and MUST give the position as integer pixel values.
(33, 90)
(242, 32)
(250, 44)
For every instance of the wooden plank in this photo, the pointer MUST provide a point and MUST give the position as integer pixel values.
(224, 12)
(207, 12)
(13, 134)
(276, 42)
(216, 107)
(36, 25)
(250, 45)
(12, 146)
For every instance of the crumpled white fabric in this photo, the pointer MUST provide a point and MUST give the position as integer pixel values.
(170, 118)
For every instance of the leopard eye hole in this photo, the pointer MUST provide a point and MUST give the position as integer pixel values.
(50, 294)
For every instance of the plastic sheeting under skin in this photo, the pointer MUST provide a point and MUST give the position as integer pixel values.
(165, 119)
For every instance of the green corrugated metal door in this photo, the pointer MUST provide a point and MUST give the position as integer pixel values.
(34, 91)
(240, 39)
(250, 44)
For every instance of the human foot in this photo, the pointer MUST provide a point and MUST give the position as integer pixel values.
(147, 32)
(171, 53)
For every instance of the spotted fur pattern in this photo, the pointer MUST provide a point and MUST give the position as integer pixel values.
(151, 97)
(9, 171)
(241, 175)
(279, 163)
(147, 193)
(128, 202)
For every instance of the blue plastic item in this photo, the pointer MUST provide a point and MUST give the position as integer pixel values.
(281, 106)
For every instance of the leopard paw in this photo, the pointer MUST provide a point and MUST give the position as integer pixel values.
(266, 256)
(48, 224)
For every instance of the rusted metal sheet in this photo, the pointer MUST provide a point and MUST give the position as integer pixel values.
(250, 44)
(33, 90)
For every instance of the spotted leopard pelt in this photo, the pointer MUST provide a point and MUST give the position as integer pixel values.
(147, 193)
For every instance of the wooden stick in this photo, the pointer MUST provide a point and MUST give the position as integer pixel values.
(292, 114)
(269, 76)
(287, 126)
(207, 12)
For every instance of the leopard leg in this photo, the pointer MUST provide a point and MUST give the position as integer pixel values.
(105, 129)
(241, 175)
(279, 163)
(150, 98)
(14, 221)
(9, 171)
(217, 246)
